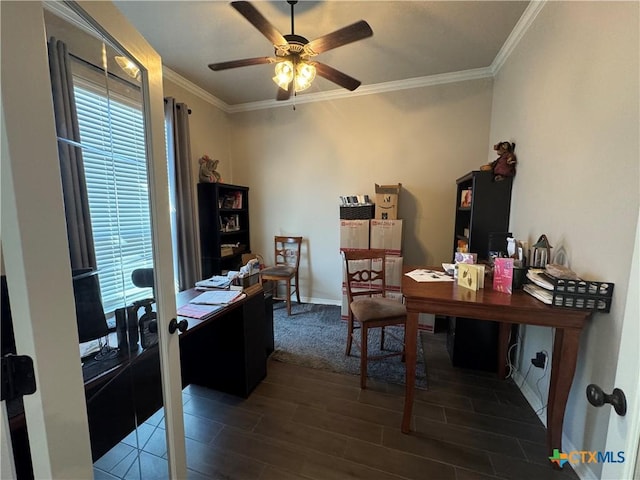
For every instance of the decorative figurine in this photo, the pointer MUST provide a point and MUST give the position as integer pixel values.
(505, 165)
(208, 172)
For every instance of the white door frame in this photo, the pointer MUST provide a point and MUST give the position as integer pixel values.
(624, 432)
(35, 248)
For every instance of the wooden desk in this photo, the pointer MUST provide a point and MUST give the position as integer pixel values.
(446, 298)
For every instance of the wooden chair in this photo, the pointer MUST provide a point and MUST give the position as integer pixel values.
(365, 280)
(287, 262)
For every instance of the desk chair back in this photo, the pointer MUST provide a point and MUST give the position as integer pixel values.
(365, 279)
(287, 251)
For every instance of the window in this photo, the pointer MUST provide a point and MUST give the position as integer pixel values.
(113, 146)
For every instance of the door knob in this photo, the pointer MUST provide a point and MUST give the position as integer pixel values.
(177, 325)
(597, 398)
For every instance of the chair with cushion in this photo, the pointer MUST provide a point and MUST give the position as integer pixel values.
(287, 262)
(365, 280)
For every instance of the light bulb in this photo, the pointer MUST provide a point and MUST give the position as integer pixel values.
(284, 74)
(305, 73)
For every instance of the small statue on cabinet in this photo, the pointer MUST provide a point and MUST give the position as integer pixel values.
(208, 172)
(505, 165)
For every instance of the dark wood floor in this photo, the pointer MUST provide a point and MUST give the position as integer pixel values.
(301, 423)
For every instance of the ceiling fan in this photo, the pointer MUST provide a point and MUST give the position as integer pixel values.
(294, 54)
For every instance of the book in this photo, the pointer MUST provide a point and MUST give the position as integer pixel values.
(471, 276)
(237, 201)
(465, 198)
(503, 275)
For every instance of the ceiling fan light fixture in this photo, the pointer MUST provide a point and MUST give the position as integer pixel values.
(284, 74)
(301, 75)
(305, 73)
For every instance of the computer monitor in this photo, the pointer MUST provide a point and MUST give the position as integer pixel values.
(92, 323)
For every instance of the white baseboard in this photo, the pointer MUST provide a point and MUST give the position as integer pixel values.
(531, 396)
(320, 301)
(583, 470)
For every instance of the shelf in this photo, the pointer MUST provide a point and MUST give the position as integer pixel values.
(220, 205)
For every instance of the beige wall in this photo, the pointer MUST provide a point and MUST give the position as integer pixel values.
(209, 129)
(297, 163)
(568, 97)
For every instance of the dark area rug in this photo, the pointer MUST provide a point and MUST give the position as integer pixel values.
(315, 336)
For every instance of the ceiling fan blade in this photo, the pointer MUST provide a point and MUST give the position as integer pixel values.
(285, 94)
(336, 76)
(245, 62)
(351, 33)
(256, 19)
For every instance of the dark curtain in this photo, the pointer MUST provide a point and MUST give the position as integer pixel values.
(74, 186)
(181, 178)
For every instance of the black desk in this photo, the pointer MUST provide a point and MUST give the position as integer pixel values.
(226, 352)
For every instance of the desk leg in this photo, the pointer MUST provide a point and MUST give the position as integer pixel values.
(563, 367)
(503, 348)
(410, 348)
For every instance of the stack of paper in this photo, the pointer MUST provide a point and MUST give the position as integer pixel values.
(424, 275)
(198, 311)
(541, 294)
(540, 278)
(218, 297)
(217, 281)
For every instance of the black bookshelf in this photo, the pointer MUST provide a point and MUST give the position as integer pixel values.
(480, 215)
(224, 226)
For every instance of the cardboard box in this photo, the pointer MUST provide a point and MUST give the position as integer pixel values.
(427, 322)
(393, 267)
(387, 201)
(387, 234)
(354, 234)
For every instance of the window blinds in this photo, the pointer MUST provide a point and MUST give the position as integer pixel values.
(113, 146)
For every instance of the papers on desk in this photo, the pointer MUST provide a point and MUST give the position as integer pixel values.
(198, 311)
(424, 275)
(540, 278)
(217, 281)
(218, 297)
(209, 302)
(542, 294)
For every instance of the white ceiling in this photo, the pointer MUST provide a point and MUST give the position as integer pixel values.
(411, 39)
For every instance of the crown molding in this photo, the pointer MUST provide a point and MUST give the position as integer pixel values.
(193, 88)
(378, 88)
(525, 21)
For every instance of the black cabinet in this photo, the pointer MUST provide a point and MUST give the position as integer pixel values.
(223, 211)
(229, 354)
(482, 217)
(482, 209)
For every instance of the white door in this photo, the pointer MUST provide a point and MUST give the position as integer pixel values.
(624, 432)
(35, 245)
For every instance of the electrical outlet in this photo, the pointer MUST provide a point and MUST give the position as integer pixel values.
(540, 360)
